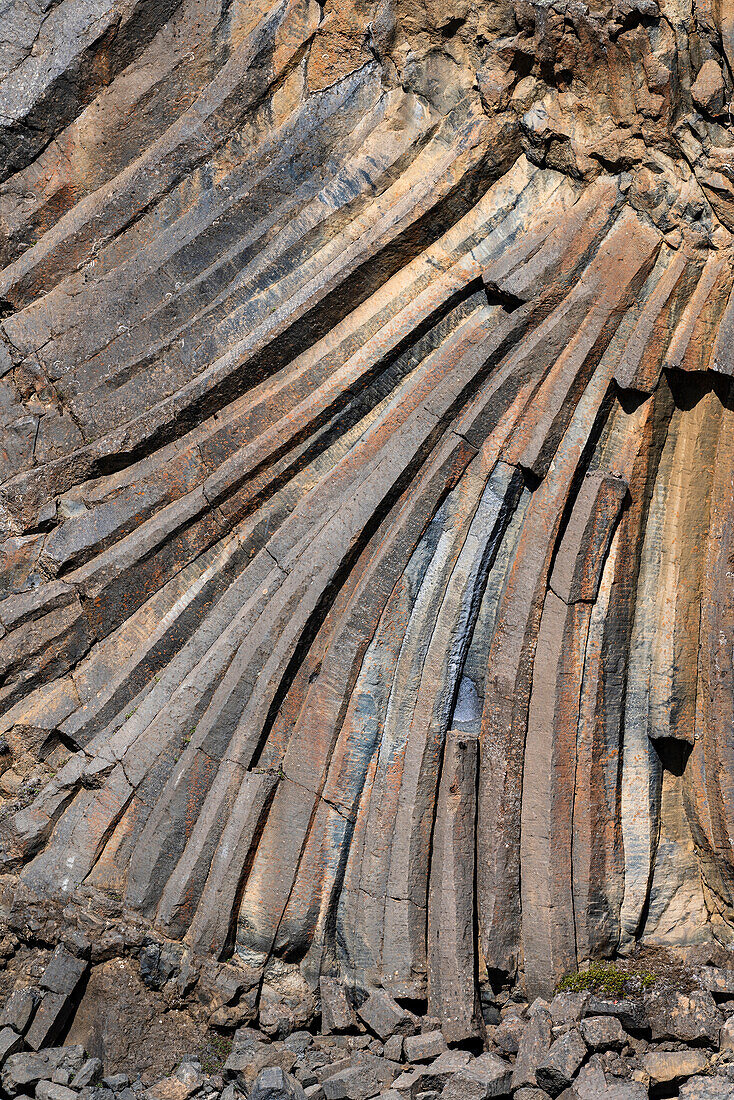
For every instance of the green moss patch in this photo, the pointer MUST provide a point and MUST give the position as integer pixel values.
(214, 1053)
(607, 980)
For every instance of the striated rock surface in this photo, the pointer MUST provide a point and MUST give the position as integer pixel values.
(366, 494)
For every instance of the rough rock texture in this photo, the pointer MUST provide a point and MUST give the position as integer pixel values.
(358, 1066)
(367, 468)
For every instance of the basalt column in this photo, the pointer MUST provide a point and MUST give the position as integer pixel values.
(366, 484)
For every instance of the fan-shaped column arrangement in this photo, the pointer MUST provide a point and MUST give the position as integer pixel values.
(367, 495)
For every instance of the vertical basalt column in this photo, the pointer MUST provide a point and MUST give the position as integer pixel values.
(452, 961)
(366, 487)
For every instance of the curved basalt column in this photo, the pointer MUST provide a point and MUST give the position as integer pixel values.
(367, 483)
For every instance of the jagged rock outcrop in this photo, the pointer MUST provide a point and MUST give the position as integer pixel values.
(367, 469)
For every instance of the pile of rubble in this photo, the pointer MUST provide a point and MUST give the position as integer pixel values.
(578, 1046)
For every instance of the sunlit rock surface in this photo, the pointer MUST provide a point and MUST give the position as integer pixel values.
(367, 469)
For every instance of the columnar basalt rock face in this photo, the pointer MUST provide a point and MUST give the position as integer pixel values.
(367, 470)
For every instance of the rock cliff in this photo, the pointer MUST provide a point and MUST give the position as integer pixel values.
(367, 469)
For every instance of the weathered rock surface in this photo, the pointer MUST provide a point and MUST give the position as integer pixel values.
(689, 1017)
(354, 1065)
(366, 617)
(671, 1065)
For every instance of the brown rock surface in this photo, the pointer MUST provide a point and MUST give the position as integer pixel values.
(366, 617)
(128, 1027)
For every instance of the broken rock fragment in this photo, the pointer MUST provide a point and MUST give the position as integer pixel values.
(274, 1083)
(690, 1017)
(561, 1063)
(384, 1016)
(602, 1033)
(337, 1013)
(672, 1065)
(484, 1077)
(533, 1048)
